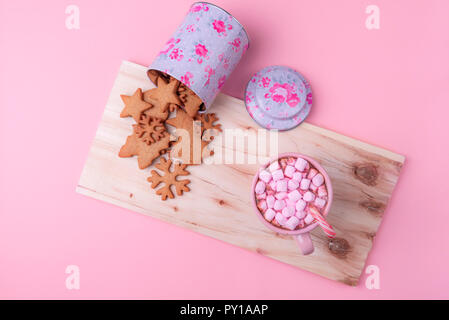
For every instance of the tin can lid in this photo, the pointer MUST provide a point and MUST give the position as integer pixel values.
(278, 97)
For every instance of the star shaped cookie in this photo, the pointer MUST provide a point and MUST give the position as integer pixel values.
(134, 105)
(164, 95)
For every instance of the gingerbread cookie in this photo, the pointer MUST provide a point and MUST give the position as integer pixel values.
(189, 132)
(146, 153)
(169, 178)
(150, 129)
(189, 99)
(153, 75)
(165, 94)
(150, 138)
(134, 105)
(210, 128)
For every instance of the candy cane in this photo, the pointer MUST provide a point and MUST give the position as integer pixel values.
(327, 228)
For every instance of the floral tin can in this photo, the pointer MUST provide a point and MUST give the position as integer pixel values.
(204, 50)
(278, 97)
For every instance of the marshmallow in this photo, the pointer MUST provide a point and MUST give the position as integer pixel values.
(269, 214)
(260, 187)
(300, 214)
(300, 205)
(300, 164)
(289, 171)
(308, 196)
(313, 187)
(293, 184)
(265, 176)
(297, 176)
(273, 185)
(305, 183)
(277, 175)
(283, 163)
(289, 202)
(292, 223)
(279, 205)
(308, 219)
(262, 205)
(281, 186)
(281, 195)
(294, 195)
(288, 211)
(270, 201)
(322, 192)
(274, 166)
(318, 180)
(261, 196)
(280, 218)
(320, 203)
(312, 173)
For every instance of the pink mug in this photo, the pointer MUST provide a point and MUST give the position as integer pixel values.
(302, 235)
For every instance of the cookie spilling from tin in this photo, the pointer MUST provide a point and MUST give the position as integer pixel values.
(168, 131)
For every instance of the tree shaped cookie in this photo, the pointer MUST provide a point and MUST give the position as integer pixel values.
(145, 153)
(189, 133)
(210, 129)
(169, 178)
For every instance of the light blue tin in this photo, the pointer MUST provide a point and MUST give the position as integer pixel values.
(204, 50)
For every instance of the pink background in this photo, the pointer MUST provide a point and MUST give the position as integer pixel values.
(388, 87)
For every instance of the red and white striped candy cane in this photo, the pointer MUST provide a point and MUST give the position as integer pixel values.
(327, 228)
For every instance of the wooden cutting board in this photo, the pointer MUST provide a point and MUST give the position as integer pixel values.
(363, 177)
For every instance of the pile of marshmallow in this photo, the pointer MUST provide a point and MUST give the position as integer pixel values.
(287, 189)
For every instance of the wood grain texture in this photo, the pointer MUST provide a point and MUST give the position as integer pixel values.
(363, 178)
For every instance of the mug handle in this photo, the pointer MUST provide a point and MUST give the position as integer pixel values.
(305, 243)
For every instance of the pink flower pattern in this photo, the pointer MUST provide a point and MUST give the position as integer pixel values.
(235, 44)
(249, 97)
(199, 7)
(283, 93)
(219, 26)
(221, 82)
(170, 45)
(265, 82)
(210, 72)
(186, 79)
(309, 98)
(201, 51)
(176, 54)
